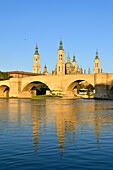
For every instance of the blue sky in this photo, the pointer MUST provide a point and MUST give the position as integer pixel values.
(84, 25)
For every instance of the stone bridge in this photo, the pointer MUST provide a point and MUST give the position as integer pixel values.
(22, 87)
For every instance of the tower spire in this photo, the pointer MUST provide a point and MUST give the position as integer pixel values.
(36, 49)
(36, 64)
(96, 63)
(96, 57)
(61, 44)
(60, 62)
(74, 60)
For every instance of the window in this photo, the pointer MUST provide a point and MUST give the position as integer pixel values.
(59, 68)
(96, 64)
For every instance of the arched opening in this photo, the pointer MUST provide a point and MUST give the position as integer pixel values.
(79, 88)
(84, 85)
(35, 88)
(111, 93)
(4, 91)
(39, 89)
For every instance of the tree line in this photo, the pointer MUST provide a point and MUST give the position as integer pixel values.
(4, 76)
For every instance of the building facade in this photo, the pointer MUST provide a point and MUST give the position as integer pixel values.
(36, 64)
(62, 68)
(96, 64)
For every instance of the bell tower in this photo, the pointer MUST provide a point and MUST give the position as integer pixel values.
(60, 62)
(36, 64)
(96, 64)
(74, 63)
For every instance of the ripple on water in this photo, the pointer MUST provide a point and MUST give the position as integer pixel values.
(56, 134)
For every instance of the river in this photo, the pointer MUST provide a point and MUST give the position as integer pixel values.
(53, 134)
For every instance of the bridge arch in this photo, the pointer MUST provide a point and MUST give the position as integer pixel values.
(110, 89)
(56, 83)
(72, 87)
(4, 91)
(73, 84)
(32, 88)
(110, 93)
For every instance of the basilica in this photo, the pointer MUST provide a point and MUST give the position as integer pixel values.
(62, 67)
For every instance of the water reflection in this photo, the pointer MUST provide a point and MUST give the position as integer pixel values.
(65, 123)
(35, 126)
(69, 120)
(69, 117)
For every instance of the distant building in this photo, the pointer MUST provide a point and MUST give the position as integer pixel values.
(20, 74)
(62, 67)
(36, 64)
(96, 64)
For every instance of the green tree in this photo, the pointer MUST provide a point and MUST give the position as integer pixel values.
(80, 86)
(4, 76)
(90, 87)
(41, 88)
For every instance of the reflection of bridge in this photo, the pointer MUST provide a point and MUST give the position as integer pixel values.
(22, 87)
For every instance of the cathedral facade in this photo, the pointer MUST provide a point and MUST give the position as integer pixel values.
(62, 67)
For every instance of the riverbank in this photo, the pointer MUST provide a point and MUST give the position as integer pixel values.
(45, 97)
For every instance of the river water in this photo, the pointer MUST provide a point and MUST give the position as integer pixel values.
(53, 134)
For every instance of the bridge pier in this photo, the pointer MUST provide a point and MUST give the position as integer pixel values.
(69, 94)
(101, 85)
(15, 87)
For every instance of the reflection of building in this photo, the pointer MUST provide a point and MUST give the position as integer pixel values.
(15, 110)
(67, 118)
(35, 127)
(38, 118)
(60, 114)
(65, 125)
(70, 120)
(60, 127)
(97, 126)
